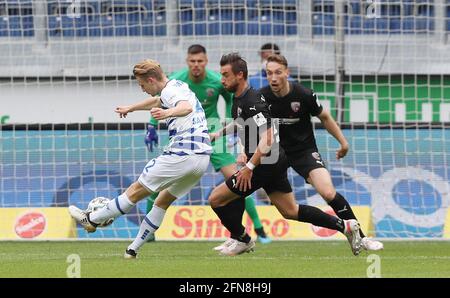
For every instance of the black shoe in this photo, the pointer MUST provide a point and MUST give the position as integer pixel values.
(130, 254)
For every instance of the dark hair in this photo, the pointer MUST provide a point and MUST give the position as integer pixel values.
(280, 59)
(237, 63)
(196, 49)
(271, 46)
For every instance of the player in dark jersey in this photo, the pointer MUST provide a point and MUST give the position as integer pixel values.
(294, 104)
(266, 166)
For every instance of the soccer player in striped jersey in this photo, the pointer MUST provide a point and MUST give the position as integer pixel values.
(207, 87)
(177, 170)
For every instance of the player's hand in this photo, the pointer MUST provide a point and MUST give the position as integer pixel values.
(241, 159)
(213, 136)
(342, 151)
(244, 179)
(151, 137)
(160, 114)
(123, 111)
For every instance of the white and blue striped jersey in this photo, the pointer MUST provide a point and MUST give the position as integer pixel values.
(187, 134)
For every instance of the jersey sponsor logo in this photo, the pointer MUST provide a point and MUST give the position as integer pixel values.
(295, 106)
(260, 119)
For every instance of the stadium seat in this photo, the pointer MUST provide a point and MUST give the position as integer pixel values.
(323, 18)
(220, 22)
(448, 18)
(17, 19)
(193, 17)
(60, 23)
(266, 25)
(3, 26)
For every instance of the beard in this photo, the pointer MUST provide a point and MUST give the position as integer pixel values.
(232, 88)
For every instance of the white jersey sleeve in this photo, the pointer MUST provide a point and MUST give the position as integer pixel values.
(187, 134)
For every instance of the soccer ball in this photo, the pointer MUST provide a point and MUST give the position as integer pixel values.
(96, 204)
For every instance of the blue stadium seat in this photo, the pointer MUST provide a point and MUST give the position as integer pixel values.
(220, 22)
(355, 24)
(17, 20)
(266, 24)
(448, 18)
(323, 18)
(60, 23)
(323, 24)
(193, 17)
(3, 26)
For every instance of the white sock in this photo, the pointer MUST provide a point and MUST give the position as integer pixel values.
(149, 225)
(119, 206)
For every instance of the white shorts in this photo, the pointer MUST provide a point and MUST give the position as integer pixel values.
(177, 174)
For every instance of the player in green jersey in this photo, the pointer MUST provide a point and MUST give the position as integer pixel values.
(207, 86)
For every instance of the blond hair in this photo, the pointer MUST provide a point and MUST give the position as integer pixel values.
(148, 68)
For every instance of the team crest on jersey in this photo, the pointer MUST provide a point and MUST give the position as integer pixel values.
(210, 92)
(295, 106)
(239, 112)
(262, 98)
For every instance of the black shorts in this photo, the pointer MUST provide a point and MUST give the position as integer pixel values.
(305, 161)
(269, 177)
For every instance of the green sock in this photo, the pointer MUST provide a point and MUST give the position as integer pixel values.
(151, 200)
(251, 210)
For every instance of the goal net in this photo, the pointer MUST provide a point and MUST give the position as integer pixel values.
(382, 68)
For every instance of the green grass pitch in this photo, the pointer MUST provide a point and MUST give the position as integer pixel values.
(197, 259)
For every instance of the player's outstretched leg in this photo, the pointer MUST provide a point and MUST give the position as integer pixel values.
(343, 209)
(350, 228)
(82, 217)
(115, 208)
(229, 207)
(320, 178)
(253, 213)
(289, 209)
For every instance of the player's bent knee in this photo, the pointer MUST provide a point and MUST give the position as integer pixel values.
(213, 199)
(328, 194)
(137, 192)
(288, 214)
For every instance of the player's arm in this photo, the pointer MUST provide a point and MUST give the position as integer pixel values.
(241, 160)
(332, 127)
(182, 108)
(261, 117)
(245, 174)
(145, 105)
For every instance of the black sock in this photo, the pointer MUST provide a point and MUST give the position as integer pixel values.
(319, 218)
(260, 232)
(231, 217)
(342, 209)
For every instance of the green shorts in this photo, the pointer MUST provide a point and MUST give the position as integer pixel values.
(222, 155)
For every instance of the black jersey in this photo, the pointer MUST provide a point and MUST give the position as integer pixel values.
(294, 112)
(252, 117)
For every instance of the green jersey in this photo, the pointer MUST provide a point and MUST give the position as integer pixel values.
(207, 92)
